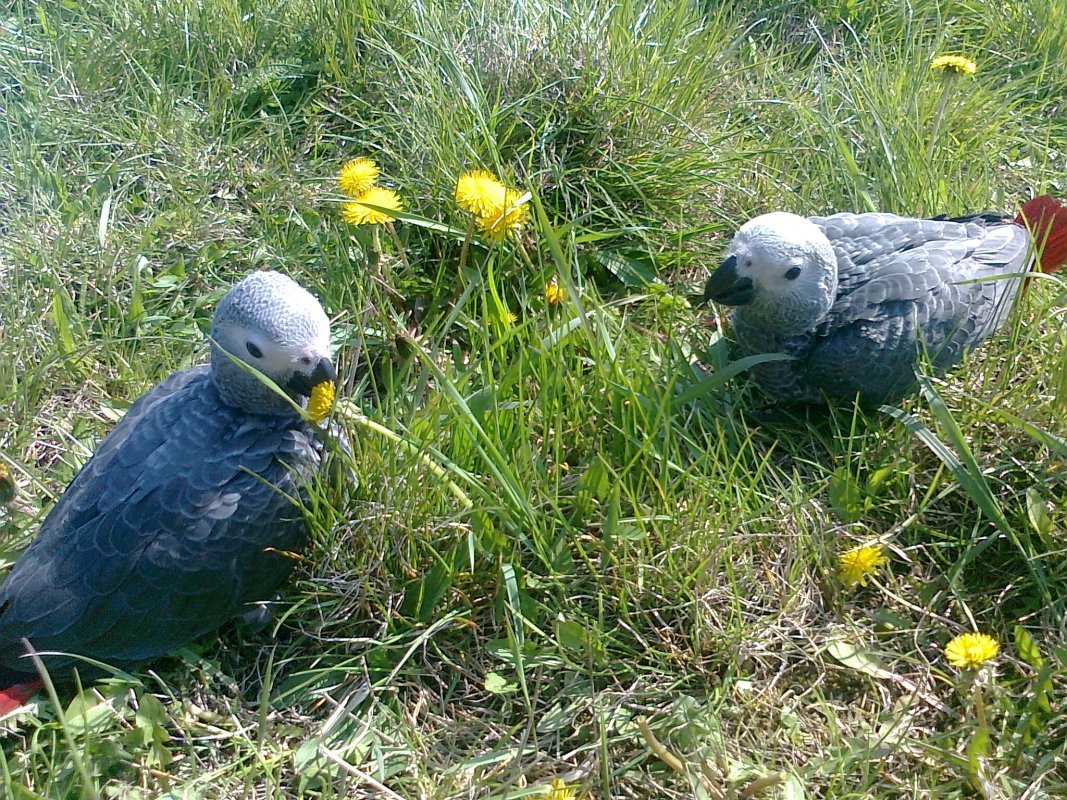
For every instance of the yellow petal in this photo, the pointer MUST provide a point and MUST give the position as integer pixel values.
(321, 400)
(357, 176)
(359, 211)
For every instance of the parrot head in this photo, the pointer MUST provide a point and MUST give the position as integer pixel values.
(273, 324)
(780, 270)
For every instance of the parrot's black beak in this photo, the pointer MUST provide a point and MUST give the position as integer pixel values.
(726, 287)
(302, 383)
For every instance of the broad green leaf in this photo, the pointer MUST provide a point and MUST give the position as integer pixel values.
(846, 496)
(309, 763)
(1027, 648)
(62, 324)
(793, 788)
(571, 636)
(978, 749)
(635, 274)
(86, 713)
(137, 309)
(878, 478)
(1037, 512)
(495, 683)
(596, 480)
(491, 538)
(851, 656)
(609, 530)
(717, 380)
(631, 532)
(105, 219)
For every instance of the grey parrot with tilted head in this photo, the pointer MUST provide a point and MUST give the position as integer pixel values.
(856, 299)
(185, 513)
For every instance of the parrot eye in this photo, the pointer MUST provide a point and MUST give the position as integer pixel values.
(306, 361)
(792, 273)
(253, 351)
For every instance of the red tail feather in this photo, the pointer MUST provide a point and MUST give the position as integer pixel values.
(14, 696)
(1046, 217)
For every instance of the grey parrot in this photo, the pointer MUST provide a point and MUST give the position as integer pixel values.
(856, 299)
(184, 515)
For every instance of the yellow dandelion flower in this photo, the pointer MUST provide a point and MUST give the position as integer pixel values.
(560, 791)
(321, 400)
(855, 566)
(481, 194)
(357, 176)
(955, 65)
(509, 220)
(971, 650)
(359, 213)
(507, 317)
(499, 314)
(553, 292)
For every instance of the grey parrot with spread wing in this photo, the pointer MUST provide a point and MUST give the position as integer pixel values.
(856, 299)
(185, 513)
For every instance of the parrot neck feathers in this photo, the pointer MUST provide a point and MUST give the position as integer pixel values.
(790, 314)
(239, 387)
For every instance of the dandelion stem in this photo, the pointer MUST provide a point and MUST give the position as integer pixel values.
(466, 246)
(399, 246)
(525, 256)
(349, 412)
(657, 748)
(762, 784)
(376, 241)
(940, 115)
(979, 706)
(463, 253)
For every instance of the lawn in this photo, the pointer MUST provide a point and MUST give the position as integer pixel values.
(566, 550)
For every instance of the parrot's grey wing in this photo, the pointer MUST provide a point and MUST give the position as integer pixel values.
(986, 217)
(899, 258)
(166, 533)
(908, 286)
(874, 358)
(75, 498)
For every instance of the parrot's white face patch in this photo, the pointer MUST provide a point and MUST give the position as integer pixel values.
(781, 254)
(790, 268)
(275, 359)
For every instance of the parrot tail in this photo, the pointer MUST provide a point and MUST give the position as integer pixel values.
(12, 697)
(1046, 218)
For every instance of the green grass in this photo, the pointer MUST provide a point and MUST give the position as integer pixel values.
(567, 551)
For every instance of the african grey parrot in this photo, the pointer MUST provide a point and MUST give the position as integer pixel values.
(855, 298)
(183, 516)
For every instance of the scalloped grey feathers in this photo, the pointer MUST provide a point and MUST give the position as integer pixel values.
(182, 517)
